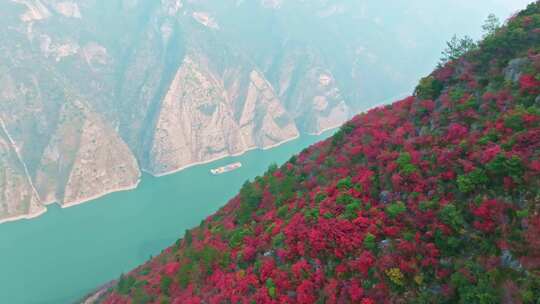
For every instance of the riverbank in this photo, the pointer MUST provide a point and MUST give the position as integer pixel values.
(205, 162)
(43, 210)
(100, 195)
(134, 186)
(325, 130)
(95, 295)
(24, 217)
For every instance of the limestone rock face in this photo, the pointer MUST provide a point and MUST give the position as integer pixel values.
(18, 198)
(197, 121)
(195, 124)
(320, 102)
(68, 9)
(35, 10)
(102, 165)
(84, 159)
(274, 125)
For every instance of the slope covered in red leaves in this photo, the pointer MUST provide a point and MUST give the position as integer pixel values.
(433, 199)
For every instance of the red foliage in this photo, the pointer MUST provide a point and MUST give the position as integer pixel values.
(444, 73)
(391, 193)
(172, 268)
(456, 132)
(489, 214)
(365, 262)
(306, 292)
(529, 84)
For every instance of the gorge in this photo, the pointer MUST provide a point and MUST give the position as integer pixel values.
(95, 92)
(367, 176)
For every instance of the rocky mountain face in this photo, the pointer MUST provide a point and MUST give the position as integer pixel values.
(94, 92)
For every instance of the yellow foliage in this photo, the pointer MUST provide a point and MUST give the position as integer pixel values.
(395, 275)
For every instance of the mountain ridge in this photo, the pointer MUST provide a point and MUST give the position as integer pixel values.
(433, 199)
(73, 69)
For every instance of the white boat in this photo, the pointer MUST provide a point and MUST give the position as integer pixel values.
(227, 168)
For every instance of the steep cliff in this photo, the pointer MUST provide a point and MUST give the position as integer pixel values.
(18, 198)
(93, 92)
(198, 119)
(432, 199)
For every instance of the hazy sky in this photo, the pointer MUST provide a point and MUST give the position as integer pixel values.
(513, 4)
(501, 8)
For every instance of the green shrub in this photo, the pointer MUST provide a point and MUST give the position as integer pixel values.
(165, 284)
(351, 210)
(237, 237)
(283, 211)
(344, 130)
(140, 296)
(320, 197)
(405, 165)
(369, 241)
(395, 209)
(344, 184)
(344, 199)
(515, 122)
(271, 286)
(184, 274)
(501, 166)
(125, 284)
(277, 241)
(427, 205)
(429, 88)
(250, 196)
(311, 214)
(470, 182)
(451, 216)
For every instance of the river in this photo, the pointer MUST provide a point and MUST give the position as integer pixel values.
(64, 254)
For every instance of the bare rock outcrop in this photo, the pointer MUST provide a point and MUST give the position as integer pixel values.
(195, 123)
(18, 198)
(85, 159)
(197, 120)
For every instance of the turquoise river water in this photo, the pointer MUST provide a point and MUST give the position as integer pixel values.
(64, 254)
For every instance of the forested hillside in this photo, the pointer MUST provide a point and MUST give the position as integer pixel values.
(433, 199)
